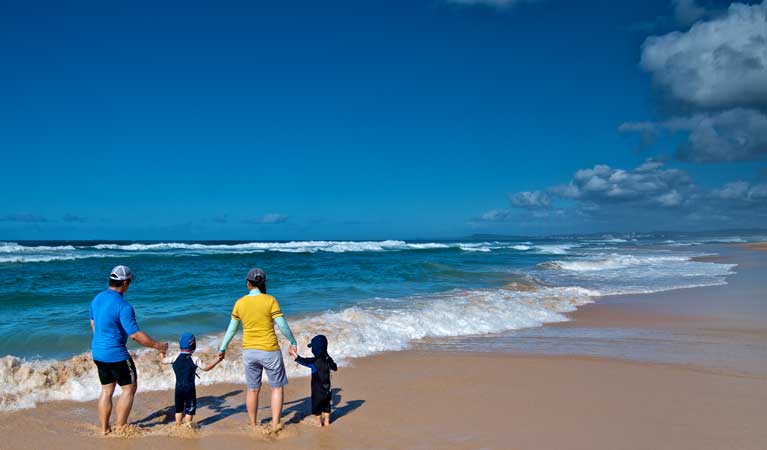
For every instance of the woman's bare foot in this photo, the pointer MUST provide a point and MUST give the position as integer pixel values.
(106, 431)
(274, 429)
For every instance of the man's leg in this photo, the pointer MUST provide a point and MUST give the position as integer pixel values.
(125, 403)
(105, 406)
(251, 402)
(276, 407)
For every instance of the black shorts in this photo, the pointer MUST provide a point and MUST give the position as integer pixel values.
(186, 400)
(123, 372)
(321, 402)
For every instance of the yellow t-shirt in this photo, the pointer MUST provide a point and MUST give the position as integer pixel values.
(257, 314)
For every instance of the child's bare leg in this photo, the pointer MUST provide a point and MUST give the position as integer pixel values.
(326, 418)
(179, 418)
(188, 418)
(319, 420)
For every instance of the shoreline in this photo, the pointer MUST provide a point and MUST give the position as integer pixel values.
(436, 399)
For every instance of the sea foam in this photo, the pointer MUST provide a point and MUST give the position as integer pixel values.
(353, 332)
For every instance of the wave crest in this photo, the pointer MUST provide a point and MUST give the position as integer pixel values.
(353, 332)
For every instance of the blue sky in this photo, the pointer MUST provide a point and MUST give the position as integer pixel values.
(375, 119)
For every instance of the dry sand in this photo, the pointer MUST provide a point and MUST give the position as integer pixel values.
(448, 400)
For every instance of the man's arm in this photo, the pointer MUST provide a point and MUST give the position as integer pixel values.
(147, 341)
(129, 324)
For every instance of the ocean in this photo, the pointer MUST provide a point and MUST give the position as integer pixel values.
(366, 296)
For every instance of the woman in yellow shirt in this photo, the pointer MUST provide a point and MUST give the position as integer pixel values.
(258, 312)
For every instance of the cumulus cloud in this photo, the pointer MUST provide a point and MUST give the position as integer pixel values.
(742, 191)
(649, 195)
(494, 215)
(530, 199)
(650, 184)
(732, 135)
(721, 63)
(687, 12)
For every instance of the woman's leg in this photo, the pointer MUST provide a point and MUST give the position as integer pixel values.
(251, 402)
(277, 395)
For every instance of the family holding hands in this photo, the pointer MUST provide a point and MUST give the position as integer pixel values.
(113, 320)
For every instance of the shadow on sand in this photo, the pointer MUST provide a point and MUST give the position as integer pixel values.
(302, 408)
(294, 411)
(216, 403)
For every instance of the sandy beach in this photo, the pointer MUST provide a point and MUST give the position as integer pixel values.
(424, 399)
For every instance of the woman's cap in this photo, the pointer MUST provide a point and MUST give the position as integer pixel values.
(187, 342)
(121, 273)
(256, 275)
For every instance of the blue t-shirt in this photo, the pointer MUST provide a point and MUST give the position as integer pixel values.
(113, 321)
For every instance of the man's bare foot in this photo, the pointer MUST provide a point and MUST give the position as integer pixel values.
(106, 431)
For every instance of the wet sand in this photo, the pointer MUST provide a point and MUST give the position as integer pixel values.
(424, 399)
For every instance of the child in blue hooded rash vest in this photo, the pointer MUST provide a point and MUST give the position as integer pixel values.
(185, 367)
(321, 365)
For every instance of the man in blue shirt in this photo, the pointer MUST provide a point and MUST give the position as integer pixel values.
(113, 321)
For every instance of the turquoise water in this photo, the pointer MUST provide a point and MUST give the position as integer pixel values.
(366, 296)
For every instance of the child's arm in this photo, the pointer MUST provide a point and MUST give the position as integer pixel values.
(306, 362)
(332, 364)
(167, 359)
(213, 364)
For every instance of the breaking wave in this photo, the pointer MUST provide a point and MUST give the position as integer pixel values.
(353, 332)
(11, 252)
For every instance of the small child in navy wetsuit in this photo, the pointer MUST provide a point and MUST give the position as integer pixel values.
(185, 367)
(321, 365)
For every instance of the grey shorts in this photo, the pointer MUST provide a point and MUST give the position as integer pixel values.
(256, 360)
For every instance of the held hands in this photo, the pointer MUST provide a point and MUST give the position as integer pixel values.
(162, 347)
(221, 356)
(292, 351)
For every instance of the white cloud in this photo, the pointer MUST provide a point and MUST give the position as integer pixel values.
(530, 199)
(721, 63)
(495, 215)
(742, 191)
(649, 195)
(649, 184)
(687, 12)
(733, 135)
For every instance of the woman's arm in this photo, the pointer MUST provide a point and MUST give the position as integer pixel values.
(234, 324)
(282, 324)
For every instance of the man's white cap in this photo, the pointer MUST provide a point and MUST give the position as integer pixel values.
(121, 273)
